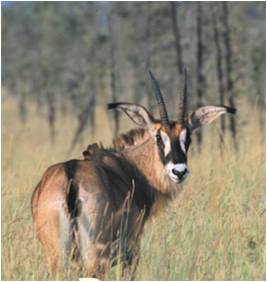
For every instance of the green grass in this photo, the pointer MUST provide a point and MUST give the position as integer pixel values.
(214, 230)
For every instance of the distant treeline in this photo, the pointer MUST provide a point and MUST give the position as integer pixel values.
(65, 56)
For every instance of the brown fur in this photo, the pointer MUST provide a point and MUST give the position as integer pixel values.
(112, 188)
(131, 138)
(96, 208)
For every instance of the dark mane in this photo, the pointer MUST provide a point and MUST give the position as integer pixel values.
(96, 150)
(129, 138)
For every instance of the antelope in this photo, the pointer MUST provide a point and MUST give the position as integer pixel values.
(94, 210)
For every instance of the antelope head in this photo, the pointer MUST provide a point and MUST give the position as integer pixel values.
(172, 138)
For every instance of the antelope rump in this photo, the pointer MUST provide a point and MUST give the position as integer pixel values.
(94, 210)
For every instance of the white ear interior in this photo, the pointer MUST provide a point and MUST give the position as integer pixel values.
(138, 114)
(206, 115)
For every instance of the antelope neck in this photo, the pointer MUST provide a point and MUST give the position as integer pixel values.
(147, 160)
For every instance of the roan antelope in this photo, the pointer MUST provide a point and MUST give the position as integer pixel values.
(94, 210)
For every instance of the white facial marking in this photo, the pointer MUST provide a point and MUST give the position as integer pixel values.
(179, 168)
(166, 142)
(182, 138)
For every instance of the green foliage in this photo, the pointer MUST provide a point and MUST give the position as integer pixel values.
(66, 43)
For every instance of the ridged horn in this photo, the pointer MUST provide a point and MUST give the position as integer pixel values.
(162, 108)
(182, 110)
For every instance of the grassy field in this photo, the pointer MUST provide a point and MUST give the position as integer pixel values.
(214, 230)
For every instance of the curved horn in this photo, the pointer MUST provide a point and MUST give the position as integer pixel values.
(162, 108)
(182, 111)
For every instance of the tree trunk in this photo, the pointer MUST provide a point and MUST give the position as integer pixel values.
(113, 85)
(48, 95)
(93, 82)
(83, 118)
(51, 114)
(22, 92)
(92, 106)
(230, 82)
(200, 77)
(147, 54)
(219, 68)
(176, 34)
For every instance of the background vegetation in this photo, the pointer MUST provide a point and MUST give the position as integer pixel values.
(61, 64)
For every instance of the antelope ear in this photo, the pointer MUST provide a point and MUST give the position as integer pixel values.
(136, 113)
(206, 115)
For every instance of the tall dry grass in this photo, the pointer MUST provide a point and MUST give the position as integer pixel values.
(214, 230)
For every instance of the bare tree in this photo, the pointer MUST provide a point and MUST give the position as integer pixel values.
(47, 93)
(176, 34)
(221, 89)
(83, 118)
(229, 68)
(147, 55)
(113, 78)
(22, 103)
(200, 76)
(51, 114)
(92, 104)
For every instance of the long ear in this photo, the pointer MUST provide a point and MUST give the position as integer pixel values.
(136, 113)
(206, 115)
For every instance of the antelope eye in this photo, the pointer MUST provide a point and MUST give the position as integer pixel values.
(158, 138)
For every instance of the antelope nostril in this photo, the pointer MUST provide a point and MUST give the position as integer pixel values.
(180, 174)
